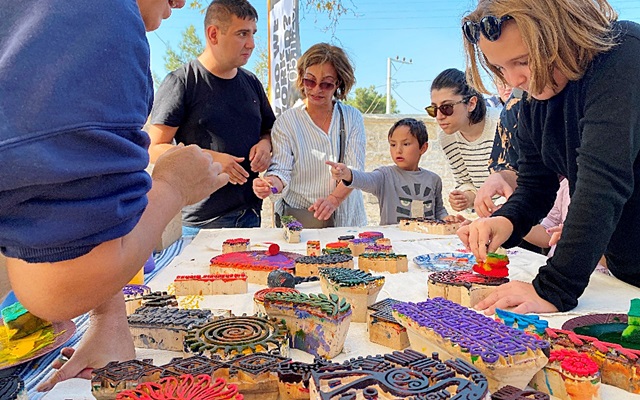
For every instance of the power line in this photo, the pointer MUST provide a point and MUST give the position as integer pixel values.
(406, 102)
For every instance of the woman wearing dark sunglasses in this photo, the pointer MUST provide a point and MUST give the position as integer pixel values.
(305, 137)
(468, 129)
(580, 118)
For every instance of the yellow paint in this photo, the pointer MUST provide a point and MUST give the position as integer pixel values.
(13, 351)
(186, 302)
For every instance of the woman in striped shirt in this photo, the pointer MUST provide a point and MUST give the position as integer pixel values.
(467, 132)
(306, 136)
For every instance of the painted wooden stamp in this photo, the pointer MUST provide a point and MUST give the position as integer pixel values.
(113, 378)
(430, 226)
(256, 375)
(233, 336)
(164, 328)
(258, 298)
(292, 229)
(133, 296)
(462, 287)
(513, 393)
(238, 244)
(383, 262)
(619, 366)
(383, 327)
(183, 387)
(505, 355)
(309, 266)
(255, 264)
(358, 287)
(189, 285)
(569, 376)
(159, 299)
(400, 375)
(336, 248)
(313, 248)
(318, 324)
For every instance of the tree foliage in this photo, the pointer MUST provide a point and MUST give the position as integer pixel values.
(190, 47)
(369, 101)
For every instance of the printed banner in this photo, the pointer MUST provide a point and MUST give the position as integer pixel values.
(284, 50)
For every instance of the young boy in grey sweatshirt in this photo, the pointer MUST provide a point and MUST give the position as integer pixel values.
(404, 190)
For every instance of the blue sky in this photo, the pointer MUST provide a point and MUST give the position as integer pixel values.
(425, 31)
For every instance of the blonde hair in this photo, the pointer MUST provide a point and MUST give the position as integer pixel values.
(562, 34)
(325, 53)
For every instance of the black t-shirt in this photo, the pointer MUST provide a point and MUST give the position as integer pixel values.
(224, 115)
(589, 133)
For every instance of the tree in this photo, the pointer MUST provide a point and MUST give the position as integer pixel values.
(190, 47)
(333, 8)
(369, 101)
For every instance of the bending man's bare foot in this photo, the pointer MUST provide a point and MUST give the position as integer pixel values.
(107, 339)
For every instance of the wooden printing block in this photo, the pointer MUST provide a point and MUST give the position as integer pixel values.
(133, 296)
(292, 229)
(255, 264)
(313, 248)
(239, 244)
(358, 287)
(113, 378)
(569, 376)
(310, 266)
(258, 298)
(462, 287)
(383, 262)
(383, 328)
(189, 285)
(431, 226)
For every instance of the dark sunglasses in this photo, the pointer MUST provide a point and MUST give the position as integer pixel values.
(445, 109)
(490, 26)
(310, 84)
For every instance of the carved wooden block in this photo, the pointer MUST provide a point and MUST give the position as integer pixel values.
(183, 387)
(383, 262)
(294, 376)
(528, 323)
(618, 366)
(430, 226)
(133, 296)
(12, 388)
(313, 248)
(113, 378)
(569, 376)
(336, 248)
(189, 285)
(310, 266)
(513, 393)
(462, 287)
(401, 375)
(258, 298)
(233, 336)
(292, 229)
(505, 355)
(164, 328)
(256, 375)
(159, 299)
(318, 324)
(255, 264)
(358, 287)
(383, 328)
(238, 244)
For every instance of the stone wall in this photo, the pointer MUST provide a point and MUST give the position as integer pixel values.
(377, 130)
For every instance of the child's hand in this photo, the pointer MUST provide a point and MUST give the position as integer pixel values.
(339, 171)
(459, 200)
(555, 233)
(456, 218)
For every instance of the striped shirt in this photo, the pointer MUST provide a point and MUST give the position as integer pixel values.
(300, 149)
(468, 160)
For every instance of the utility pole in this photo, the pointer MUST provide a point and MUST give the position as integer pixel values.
(389, 61)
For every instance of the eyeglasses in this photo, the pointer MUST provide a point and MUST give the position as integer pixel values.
(310, 84)
(490, 26)
(445, 109)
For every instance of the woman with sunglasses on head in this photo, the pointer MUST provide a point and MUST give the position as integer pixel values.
(580, 118)
(468, 129)
(304, 137)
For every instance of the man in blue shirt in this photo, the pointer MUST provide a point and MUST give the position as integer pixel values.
(78, 214)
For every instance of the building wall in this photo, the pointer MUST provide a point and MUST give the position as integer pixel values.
(377, 130)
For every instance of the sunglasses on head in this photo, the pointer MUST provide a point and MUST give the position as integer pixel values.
(310, 84)
(445, 109)
(490, 26)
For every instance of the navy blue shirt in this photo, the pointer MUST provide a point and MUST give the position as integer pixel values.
(75, 90)
(589, 133)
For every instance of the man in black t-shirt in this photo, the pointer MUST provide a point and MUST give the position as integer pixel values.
(213, 102)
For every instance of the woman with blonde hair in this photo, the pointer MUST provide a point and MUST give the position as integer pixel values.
(580, 118)
(304, 137)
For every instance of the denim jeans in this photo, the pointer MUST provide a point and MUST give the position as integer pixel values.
(247, 218)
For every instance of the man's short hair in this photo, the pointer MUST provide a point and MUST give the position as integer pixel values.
(219, 13)
(417, 128)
